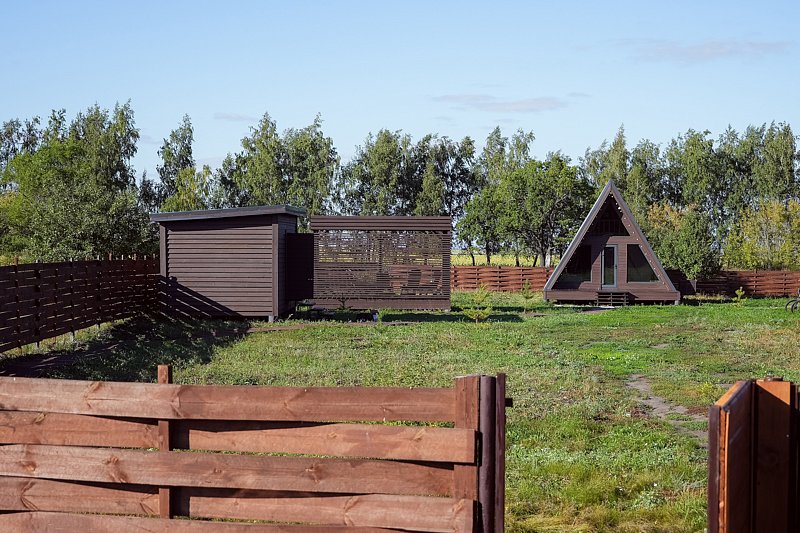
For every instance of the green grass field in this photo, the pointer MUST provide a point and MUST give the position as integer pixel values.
(585, 453)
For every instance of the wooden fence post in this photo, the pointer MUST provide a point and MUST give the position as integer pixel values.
(486, 471)
(164, 445)
(500, 455)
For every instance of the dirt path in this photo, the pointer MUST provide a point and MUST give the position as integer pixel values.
(666, 410)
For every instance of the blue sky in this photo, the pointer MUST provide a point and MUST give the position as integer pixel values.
(571, 72)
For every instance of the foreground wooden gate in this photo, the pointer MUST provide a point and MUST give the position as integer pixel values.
(753, 459)
(360, 459)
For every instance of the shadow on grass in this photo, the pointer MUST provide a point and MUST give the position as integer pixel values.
(445, 317)
(131, 350)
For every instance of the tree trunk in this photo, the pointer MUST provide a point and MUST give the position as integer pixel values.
(488, 256)
(535, 259)
(472, 255)
(516, 258)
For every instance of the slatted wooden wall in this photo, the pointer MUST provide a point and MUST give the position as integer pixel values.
(43, 300)
(753, 459)
(360, 459)
(382, 262)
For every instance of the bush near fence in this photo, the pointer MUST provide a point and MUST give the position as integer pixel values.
(774, 283)
(44, 300)
(76, 452)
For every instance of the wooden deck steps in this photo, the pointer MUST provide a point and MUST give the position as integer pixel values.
(612, 299)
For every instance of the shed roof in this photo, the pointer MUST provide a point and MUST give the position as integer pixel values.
(205, 214)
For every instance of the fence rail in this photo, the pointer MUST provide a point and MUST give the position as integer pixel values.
(43, 300)
(74, 451)
(512, 279)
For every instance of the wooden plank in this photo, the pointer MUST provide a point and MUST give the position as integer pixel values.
(224, 471)
(736, 451)
(44, 522)
(343, 440)
(773, 461)
(24, 494)
(414, 513)
(714, 456)
(467, 405)
(227, 402)
(18, 427)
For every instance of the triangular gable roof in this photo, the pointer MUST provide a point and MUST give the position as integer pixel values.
(628, 220)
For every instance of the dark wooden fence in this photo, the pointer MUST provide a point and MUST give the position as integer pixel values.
(511, 279)
(76, 452)
(43, 300)
(753, 463)
(752, 282)
(382, 262)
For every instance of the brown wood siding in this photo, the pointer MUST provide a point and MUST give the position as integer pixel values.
(656, 291)
(221, 267)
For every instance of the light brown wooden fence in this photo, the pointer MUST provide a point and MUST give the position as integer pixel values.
(43, 300)
(753, 459)
(506, 279)
(511, 279)
(75, 452)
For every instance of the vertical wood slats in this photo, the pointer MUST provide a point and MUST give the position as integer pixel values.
(753, 454)
(415, 490)
(39, 301)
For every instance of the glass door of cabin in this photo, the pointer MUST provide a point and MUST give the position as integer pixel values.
(609, 261)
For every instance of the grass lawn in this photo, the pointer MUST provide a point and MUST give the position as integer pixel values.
(584, 452)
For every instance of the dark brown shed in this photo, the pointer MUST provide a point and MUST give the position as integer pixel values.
(226, 262)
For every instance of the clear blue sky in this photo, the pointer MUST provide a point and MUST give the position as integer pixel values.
(571, 72)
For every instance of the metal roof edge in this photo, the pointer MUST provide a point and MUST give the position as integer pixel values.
(205, 214)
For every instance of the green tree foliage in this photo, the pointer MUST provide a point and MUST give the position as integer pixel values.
(74, 195)
(608, 162)
(683, 240)
(766, 237)
(296, 168)
(176, 155)
(480, 227)
(541, 206)
(192, 190)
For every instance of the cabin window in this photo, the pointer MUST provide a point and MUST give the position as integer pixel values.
(608, 220)
(579, 267)
(639, 268)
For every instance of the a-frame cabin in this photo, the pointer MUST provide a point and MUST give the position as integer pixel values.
(609, 261)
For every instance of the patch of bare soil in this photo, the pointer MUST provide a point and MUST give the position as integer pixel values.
(666, 410)
(596, 310)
